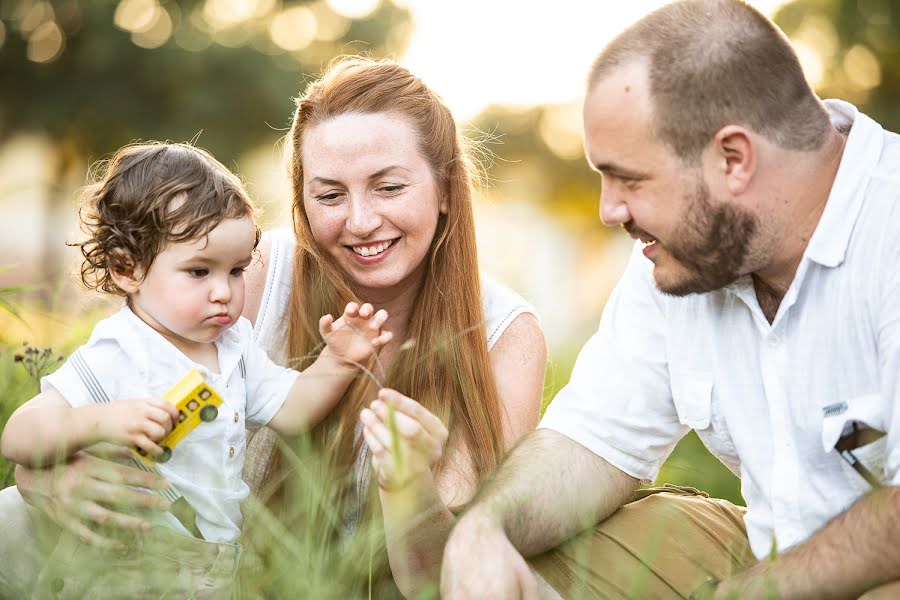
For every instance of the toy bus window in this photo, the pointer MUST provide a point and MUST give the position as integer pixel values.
(192, 405)
(181, 416)
(204, 394)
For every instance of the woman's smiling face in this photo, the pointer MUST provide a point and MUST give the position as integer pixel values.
(371, 198)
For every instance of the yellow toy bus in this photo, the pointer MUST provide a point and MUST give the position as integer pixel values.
(197, 403)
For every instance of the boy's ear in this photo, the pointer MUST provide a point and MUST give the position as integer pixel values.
(126, 275)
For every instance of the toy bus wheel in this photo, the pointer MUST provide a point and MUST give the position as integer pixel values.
(208, 413)
(165, 456)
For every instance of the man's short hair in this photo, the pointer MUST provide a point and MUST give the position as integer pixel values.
(713, 63)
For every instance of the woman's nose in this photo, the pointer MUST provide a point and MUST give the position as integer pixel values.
(363, 217)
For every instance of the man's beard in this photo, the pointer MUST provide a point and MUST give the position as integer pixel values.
(711, 243)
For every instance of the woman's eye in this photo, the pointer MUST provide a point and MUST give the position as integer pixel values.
(198, 272)
(392, 188)
(329, 198)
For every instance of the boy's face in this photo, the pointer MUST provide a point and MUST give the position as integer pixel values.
(195, 290)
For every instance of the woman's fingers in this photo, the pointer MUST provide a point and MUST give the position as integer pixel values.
(406, 425)
(109, 518)
(376, 427)
(129, 498)
(408, 406)
(85, 533)
(375, 446)
(93, 469)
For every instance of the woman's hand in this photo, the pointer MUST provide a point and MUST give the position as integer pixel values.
(405, 439)
(89, 494)
(357, 334)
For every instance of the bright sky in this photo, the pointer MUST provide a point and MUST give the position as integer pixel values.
(520, 52)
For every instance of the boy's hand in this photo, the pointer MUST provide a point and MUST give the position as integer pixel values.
(357, 334)
(139, 423)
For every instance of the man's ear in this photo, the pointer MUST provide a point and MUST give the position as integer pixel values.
(734, 158)
(125, 274)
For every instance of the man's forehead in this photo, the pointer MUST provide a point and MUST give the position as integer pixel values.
(618, 114)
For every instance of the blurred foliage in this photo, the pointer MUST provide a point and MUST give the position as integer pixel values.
(103, 90)
(855, 46)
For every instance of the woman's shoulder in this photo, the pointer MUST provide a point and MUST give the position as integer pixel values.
(501, 306)
(277, 263)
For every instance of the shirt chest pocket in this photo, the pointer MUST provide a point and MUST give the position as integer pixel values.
(692, 396)
(862, 416)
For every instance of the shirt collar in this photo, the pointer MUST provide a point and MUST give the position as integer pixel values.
(142, 342)
(829, 242)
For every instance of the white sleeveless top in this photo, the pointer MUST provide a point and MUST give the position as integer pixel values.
(500, 305)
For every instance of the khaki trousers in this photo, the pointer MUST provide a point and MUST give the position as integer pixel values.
(663, 544)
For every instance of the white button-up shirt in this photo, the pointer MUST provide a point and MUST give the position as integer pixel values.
(770, 401)
(132, 360)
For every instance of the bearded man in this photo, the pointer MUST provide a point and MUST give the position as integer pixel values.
(761, 308)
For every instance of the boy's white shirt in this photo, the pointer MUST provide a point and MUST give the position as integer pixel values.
(132, 360)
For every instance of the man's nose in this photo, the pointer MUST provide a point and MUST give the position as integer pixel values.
(613, 210)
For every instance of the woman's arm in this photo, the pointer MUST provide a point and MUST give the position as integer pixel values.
(417, 519)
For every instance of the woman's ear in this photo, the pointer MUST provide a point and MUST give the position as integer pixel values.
(443, 205)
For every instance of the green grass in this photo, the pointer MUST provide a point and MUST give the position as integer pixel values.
(298, 555)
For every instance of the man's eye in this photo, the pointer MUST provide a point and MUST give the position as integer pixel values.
(198, 272)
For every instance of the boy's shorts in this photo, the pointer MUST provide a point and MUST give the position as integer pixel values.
(160, 563)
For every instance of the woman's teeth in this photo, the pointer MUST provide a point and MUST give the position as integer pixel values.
(372, 250)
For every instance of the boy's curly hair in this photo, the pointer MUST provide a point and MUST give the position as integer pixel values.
(147, 196)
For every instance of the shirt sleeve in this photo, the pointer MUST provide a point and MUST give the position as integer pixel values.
(268, 385)
(92, 374)
(618, 402)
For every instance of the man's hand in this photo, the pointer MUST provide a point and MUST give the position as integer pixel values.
(88, 493)
(481, 563)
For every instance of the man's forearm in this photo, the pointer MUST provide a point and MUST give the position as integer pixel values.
(855, 552)
(548, 489)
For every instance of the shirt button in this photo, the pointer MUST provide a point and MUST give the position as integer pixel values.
(231, 452)
(236, 417)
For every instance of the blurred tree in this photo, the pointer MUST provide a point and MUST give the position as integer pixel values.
(851, 50)
(536, 154)
(93, 75)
